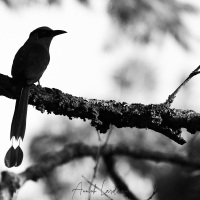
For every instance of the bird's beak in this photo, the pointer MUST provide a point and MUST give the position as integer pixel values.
(58, 32)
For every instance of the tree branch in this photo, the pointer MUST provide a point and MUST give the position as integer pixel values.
(11, 183)
(171, 97)
(118, 181)
(157, 117)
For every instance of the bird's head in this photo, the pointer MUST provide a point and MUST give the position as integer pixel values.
(44, 35)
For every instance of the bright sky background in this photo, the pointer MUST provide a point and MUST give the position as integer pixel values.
(80, 66)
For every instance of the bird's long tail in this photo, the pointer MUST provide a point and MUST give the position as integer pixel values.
(19, 118)
(13, 156)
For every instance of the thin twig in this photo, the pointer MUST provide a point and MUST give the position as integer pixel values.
(95, 170)
(118, 181)
(97, 188)
(107, 138)
(100, 149)
(154, 192)
(171, 97)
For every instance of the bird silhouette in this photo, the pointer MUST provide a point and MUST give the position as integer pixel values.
(29, 63)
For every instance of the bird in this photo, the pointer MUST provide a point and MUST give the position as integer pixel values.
(29, 64)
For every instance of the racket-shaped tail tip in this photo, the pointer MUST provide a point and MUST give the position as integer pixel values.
(13, 157)
(10, 158)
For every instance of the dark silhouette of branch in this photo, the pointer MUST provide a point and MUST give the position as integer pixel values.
(10, 182)
(96, 188)
(118, 181)
(98, 159)
(171, 97)
(153, 193)
(157, 117)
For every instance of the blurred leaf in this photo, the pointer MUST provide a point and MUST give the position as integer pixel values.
(135, 73)
(146, 21)
(177, 183)
(84, 2)
(7, 2)
(48, 141)
(14, 4)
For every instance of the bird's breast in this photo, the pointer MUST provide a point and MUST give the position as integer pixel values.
(30, 62)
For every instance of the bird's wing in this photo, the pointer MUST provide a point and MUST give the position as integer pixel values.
(30, 62)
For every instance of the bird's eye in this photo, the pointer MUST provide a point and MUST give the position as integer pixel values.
(40, 34)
